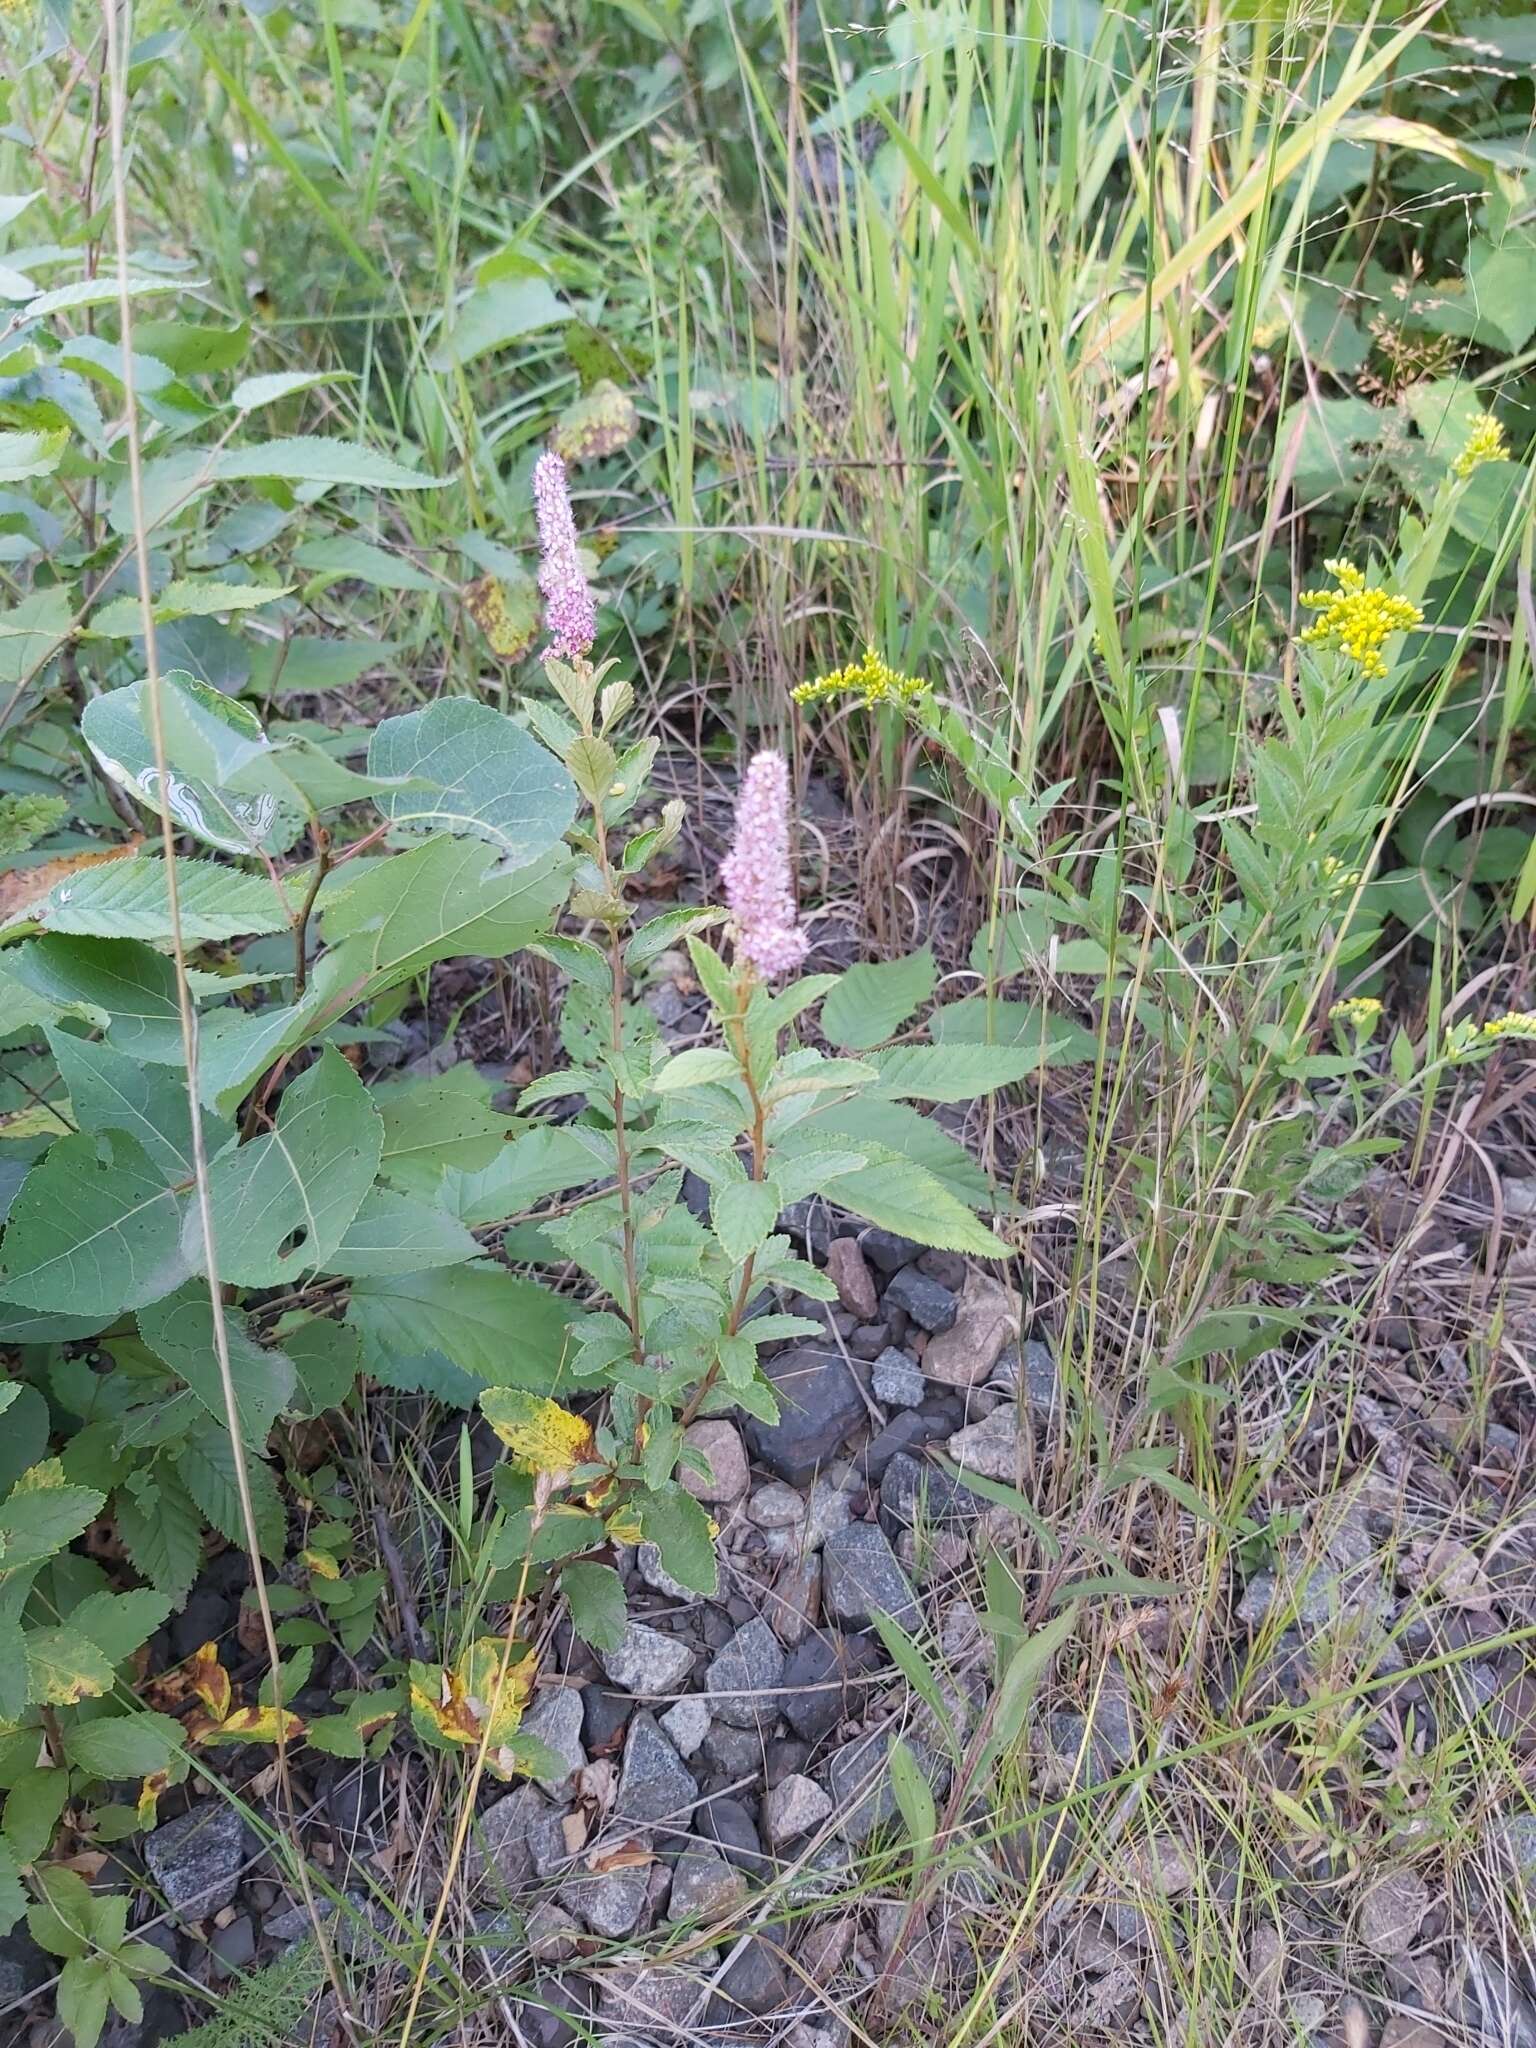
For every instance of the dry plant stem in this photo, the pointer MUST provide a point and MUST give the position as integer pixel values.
(117, 20)
(541, 1493)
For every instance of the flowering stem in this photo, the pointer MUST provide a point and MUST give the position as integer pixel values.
(736, 1034)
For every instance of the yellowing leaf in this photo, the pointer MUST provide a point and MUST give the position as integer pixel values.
(321, 1563)
(251, 1724)
(37, 1120)
(461, 1705)
(149, 1796)
(623, 1526)
(509, 619)
(541, 1435)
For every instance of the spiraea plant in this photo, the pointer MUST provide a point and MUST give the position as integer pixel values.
(679, 1305)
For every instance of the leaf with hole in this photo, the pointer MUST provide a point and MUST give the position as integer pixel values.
(281, 1203)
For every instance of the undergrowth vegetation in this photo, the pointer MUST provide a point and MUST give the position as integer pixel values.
(1061, 476)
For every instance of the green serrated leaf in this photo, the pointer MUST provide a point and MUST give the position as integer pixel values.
(872, 1000)
(180, 1331)
(393, 1233)
(282, 1202)
(595, 1594)
(93, 1227)
(482, 776)
(680, 1528)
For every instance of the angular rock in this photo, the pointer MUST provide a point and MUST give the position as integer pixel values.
(777, 1506)
(929, 1304)
(555, 1718)
(23, 1965)
(849, 1274)
(197, 1858)
(610, 1904)
(1391, 1910)
(862, 1579)
(705, 1886)
(816, 1692)
(965, 1349)
(906, 1432)
(498, 1847)
(733, 1754)
(754, 1982)
(897, 1381)
(859, 1781)
(727, 1823)
(686, 1725)
(913, 1491)
(820, 1406)
(887, 1251)
(795, 1601)
(1403, 2030)
(794, 1806)
(550, 2010)
(742, 1682)
(992, 1446)
(830, 1507)
(655, 1999)
(603, 1717)
(719, 1443)
(654, 1782)
(646, 1661)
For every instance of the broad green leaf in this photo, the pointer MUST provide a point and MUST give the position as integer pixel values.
(891, 1127)
(118, 1623)
(991, 1020)
(873, 999)
(128, 899)
(180, 1331)
(125, 988)
(679, 1527)
(281, 1203)
(32, 1811)
(65, 1667)
(311, 459)
(252, 392)
(30, 632)
(110, 1091)
(494, 316)
(595, 1595)
(31, 454)
(13, 1900)
(206, 1465)
(543, 1161)
(327, 1356)
(192, 350)
(393, 1233)
(743, 1215)
(235, 1047)
(81, 1999)
(23, 1435)
(162, 1530)
(94, 1227)
(64, 1920)
(202, 727)
(126, 1746)
(486, 778)
(361, 562)
(438, 1121)
(950, 1073)
(696, 1067)
(186, 597)
(461, 1328)
(37, 1521)
(906, 1198)
(104, 290)
(442, 901)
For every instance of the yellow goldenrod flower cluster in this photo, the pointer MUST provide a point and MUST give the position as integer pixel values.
(1361, 1011)
(873, 678)
(1516, 1024)
(1358, 621)
(1485, 443)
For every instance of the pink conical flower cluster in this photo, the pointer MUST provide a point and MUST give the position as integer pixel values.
(759, 892)
(570, 612)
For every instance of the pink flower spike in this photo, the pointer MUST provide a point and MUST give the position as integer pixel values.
(759, 892)
(570, 611)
